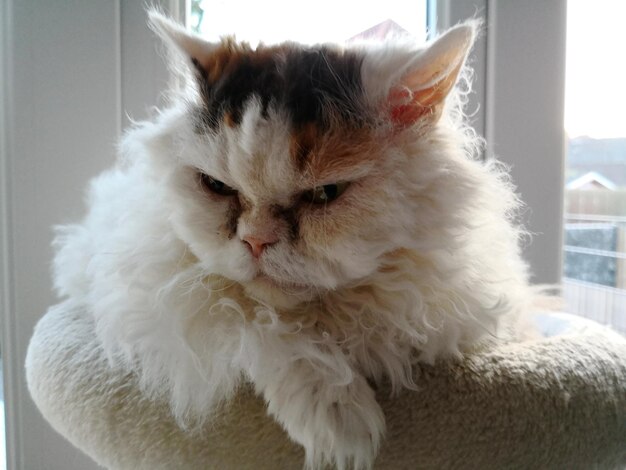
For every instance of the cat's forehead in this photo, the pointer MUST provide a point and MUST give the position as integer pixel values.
(266, 155)
(314, 93)
(311, 85)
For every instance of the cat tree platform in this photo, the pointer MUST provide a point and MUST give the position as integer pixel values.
(558, 402)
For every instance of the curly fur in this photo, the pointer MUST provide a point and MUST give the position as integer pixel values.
(419, 259)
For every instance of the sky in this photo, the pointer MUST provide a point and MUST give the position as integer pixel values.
(309, 21)
(595, 90)
(595, 94)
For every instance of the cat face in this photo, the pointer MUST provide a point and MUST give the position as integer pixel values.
(296, 168)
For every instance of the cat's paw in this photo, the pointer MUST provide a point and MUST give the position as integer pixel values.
(346, 432)
(340, 425)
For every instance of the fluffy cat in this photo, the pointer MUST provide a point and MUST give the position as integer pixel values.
(311, 219)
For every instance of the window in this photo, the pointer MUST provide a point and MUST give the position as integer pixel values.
(324, 21)
(594, 268)
(47, 47)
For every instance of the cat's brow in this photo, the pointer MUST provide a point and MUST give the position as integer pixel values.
(341, 154)
(319, 84)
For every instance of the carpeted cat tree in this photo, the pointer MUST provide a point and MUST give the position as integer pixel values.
(558, 402)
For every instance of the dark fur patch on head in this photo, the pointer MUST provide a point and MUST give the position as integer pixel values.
(290, 217)
(317, 85)
(234, 211)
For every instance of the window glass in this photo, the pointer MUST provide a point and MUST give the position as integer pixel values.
(594, 268)
(274, 21)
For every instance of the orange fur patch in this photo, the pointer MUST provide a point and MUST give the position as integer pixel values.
(230, 54)
(339, 151)
(227, 55)
(228, 119)
(303, 142)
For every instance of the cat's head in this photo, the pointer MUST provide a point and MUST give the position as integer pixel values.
(294, 169)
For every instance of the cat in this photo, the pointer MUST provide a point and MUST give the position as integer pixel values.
(312, 219)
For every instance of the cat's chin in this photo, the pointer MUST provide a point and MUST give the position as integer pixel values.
(278, 294)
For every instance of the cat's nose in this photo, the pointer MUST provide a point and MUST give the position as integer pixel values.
(257, 245)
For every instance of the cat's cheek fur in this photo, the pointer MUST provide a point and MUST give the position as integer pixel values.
(204, 226)
(349, 236)
(419, 259)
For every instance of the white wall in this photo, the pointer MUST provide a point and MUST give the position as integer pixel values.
(525, 94)
(519, 94)
(69, 69)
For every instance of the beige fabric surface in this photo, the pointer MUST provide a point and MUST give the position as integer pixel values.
(553, 403)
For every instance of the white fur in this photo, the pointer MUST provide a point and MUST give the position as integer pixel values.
(181, 304)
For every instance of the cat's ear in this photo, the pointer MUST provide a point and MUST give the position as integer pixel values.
(419, 90)
(196, 52)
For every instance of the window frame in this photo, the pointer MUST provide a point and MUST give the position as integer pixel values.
(139, 73)
(519, 83)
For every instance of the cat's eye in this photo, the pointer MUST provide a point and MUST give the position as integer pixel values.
(325, 194)
(216, 186)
